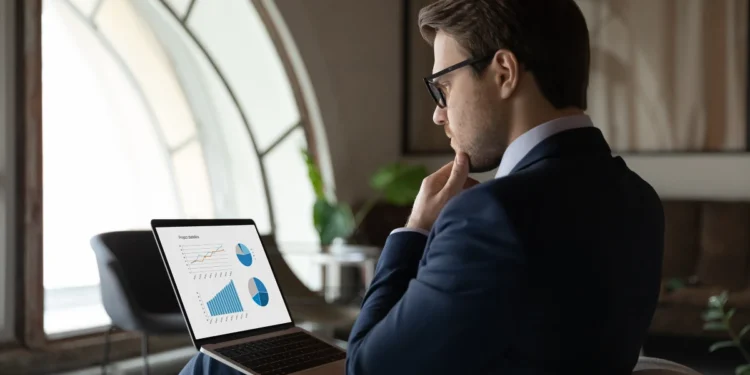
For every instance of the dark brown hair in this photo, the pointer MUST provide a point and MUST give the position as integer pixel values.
(548, 37)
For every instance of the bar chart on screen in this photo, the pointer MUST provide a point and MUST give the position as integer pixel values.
(223, 306)
(212, 275)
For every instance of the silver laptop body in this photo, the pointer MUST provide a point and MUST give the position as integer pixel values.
(233, 306)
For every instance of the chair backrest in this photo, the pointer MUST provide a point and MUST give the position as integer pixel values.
(658, 366)
(294, 289)
(133, 278)
(304, 304)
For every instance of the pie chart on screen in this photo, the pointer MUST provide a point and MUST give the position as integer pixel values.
(258, 291)
(244, 255)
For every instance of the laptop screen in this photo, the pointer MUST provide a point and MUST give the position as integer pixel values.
(224, 278)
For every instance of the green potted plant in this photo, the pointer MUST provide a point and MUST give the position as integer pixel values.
(718, 318)
(396, 184)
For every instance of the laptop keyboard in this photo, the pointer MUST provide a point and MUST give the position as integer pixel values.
(283, 354)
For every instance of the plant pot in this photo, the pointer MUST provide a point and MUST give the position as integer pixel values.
(346, 275)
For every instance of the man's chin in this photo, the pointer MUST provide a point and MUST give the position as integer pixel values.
(479, 165)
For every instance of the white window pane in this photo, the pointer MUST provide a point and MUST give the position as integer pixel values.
(232, 142)
(73, 309)
(134, 41)
(192, 181)
(179, 6)
(292, 196)
(232, 162)
(96, 181)
(84, 6)
(234, 35)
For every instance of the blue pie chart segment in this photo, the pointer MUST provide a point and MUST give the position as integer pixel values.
(258, 291)
(244, 255)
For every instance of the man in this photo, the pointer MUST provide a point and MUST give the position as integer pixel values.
(551, 268)
(554, 266)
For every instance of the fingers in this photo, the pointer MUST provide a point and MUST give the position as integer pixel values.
(437, 180)
(444, 170)
(458, 175)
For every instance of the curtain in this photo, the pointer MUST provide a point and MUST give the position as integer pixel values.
(669, 75)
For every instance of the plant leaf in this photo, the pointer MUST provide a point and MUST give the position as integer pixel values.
(332, 220)
(718, 301)
(674, 284)
(724, 296)
(313, 173)
(715, 326)
(742, 370)
(321, 211)
(399, 183)
(721, 345)
(341, 224)
(730, 314)
(713, 314)
(713, 302)
(744, 331)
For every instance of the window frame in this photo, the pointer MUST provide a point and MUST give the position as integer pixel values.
(8, 68)
(28, 348)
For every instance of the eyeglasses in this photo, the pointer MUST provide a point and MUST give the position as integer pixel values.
(435, 91)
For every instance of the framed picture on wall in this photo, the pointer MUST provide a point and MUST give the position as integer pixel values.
(665, 77)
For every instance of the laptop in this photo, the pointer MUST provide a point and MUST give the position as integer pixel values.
(233, 306)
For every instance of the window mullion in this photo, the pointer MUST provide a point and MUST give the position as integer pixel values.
(187, 13)
(8, 117)
(280, 139)
(183, 144)
(29, 164)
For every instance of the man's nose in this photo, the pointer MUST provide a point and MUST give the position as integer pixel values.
(439, 117)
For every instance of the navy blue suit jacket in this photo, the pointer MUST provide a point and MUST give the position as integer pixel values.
(553, 269)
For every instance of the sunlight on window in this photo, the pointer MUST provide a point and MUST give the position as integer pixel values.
(95, 152)
(141, 123)
(232, 161)
(140, 51)
(234, 34)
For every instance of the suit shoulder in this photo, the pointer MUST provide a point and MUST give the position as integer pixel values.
(483, 200)
(501, 192)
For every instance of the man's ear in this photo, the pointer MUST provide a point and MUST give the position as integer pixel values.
(507, 71)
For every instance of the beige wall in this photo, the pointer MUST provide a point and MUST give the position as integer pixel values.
(681, 176)
(352, 53)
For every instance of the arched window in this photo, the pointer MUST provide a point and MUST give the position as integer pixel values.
(159, 109)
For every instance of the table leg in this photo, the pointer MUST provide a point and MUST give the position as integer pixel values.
(369, 271)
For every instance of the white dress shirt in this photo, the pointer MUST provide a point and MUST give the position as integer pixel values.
(522, 145)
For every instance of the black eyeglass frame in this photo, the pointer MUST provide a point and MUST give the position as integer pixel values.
(435, 92)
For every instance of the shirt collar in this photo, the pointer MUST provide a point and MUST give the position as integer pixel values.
(526, 141)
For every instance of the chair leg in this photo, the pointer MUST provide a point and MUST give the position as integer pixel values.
(105, 362)
(144, 352)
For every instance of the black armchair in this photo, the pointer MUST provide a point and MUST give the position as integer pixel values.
(135, 286)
